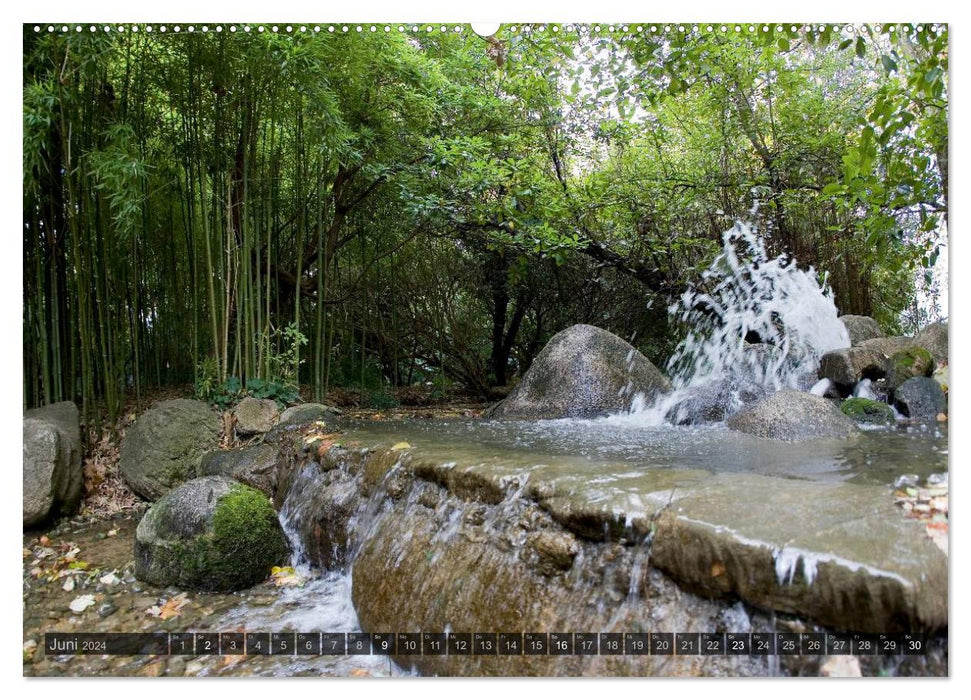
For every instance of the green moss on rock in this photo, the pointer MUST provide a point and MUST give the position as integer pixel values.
(867, 411)
(210, 534)
(910, 362)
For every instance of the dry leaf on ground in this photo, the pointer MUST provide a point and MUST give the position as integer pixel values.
(170, 608)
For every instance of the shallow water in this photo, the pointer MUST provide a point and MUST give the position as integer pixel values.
(621, 446)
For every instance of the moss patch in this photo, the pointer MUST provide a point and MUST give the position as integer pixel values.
(867, 411)
(907, 363)
(245, 542)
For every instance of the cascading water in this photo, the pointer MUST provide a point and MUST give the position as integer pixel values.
(746, 295)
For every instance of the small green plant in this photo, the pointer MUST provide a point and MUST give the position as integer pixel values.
(282, 387)
(284, 365)
(283, 393)
(207, 379)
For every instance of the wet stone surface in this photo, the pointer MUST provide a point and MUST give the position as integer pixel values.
(825, 548)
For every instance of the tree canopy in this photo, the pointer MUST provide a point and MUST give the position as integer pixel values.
(384, 208)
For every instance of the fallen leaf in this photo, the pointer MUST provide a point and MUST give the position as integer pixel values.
(170, 608)
(401, 446)
(111, 533)
(717, 569)
(284, 576)
(360, 673)
(82, 603)
(45, 541)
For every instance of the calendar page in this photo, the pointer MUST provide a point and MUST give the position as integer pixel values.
(394, 349)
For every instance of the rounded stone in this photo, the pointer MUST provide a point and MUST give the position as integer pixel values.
(583, 372)
(934, 338)
(255, 416)
(868, 411)
(861, 328)
(252, 465)
(211, 533)
(52, 471)
(304, 413)
(920, 398)
(165, 445)
(847, 367)
(794, 416)
(908, 363)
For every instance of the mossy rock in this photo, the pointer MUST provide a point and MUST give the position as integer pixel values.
(908, 363)
(210, 534)
(868, 411)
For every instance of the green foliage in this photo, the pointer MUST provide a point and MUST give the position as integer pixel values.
(207, 384)
(378, 210)
(380, 399)
(283, 393)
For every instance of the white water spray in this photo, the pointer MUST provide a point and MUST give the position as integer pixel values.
(745, 294)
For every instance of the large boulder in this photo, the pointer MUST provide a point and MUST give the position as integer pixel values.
(165, 445)
(934, 338)
(210, 534)
(920, 398)
(255, 416)
(908, 363)
(53, 475)
(794, 416)
(583, 372)
(861, 328)
(252, 466)
(847, 367)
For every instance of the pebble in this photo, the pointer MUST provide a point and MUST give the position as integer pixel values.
(153, 669)
(905, 480)
(937, 480)
(176, 666)
(193, 668)
(107, 609)
(840, 667)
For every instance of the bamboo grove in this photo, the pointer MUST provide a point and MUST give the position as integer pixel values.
(390, 208)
